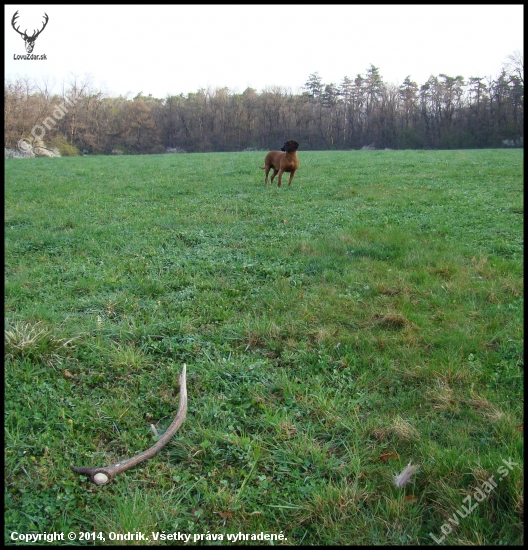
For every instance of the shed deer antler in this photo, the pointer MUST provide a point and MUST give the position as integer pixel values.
(102, 476)
(29, 40)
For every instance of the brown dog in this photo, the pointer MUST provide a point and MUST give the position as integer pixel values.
(282, 162)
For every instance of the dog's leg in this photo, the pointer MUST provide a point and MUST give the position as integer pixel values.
(275, 171)
(291, 177)
(280, 177)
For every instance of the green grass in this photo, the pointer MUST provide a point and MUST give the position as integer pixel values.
(368, 316)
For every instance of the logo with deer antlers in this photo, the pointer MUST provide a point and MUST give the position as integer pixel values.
(29, 40)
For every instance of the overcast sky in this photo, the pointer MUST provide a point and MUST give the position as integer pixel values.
(160, 50)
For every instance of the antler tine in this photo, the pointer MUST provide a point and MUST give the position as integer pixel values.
(36, 33)
(13, 23)
(102, 476)
(45, 23)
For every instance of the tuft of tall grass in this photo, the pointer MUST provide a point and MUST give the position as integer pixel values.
(35, 342)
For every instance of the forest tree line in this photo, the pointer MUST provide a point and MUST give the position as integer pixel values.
(446, 112)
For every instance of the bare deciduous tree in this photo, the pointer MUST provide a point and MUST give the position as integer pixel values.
(444, 112)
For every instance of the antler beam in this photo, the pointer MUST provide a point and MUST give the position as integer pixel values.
(102, 476)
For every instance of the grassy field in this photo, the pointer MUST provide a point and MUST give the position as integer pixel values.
(369, 316)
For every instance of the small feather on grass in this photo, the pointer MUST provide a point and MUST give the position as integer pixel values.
(405, 477)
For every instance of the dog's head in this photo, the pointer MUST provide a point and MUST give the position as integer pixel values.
(290, 146)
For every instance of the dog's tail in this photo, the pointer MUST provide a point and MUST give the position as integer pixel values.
(262, 167)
